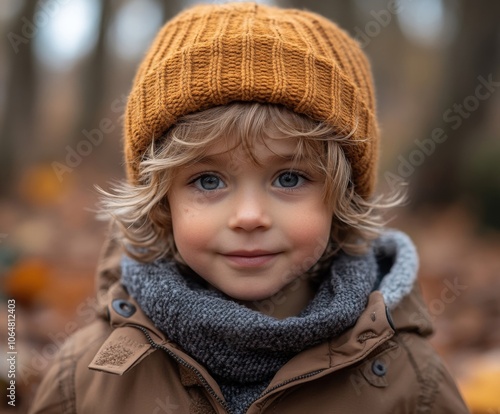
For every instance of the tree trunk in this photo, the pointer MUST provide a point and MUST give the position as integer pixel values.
(18, 129)
(93, 81)
(474, 56)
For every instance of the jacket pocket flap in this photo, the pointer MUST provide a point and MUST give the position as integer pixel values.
(122, 349)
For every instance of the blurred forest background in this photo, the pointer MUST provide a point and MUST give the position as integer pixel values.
(66, 67)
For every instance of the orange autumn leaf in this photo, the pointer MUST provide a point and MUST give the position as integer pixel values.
(481, 388)
(27, 279)
(40, 185)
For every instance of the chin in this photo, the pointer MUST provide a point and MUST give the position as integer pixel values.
(251, 294)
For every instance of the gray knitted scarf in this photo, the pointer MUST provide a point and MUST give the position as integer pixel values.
(243, 348)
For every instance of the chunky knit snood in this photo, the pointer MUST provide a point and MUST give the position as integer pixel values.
(242, 348)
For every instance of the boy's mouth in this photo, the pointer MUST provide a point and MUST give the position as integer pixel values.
(250, 258)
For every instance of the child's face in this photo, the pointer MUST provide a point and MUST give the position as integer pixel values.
(247, 229)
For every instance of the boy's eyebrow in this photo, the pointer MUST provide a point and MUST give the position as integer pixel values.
(208, 159)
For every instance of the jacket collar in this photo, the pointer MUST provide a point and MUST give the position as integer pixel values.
(374, 327)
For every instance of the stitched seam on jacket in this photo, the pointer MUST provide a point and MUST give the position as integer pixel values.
(67, 388)
(67, 374)
(428, 383)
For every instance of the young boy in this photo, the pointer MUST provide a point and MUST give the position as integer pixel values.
(249, 271)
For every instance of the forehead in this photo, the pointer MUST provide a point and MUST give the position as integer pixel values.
(260, 150)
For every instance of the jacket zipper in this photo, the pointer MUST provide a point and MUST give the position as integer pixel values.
(288, 381)
(187, 365)
(204, 381)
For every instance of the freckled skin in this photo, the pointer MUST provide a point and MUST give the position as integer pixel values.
(228, 204)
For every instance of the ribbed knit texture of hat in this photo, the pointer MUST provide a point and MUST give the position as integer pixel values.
(212, 55)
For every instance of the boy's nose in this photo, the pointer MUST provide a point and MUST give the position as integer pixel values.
(249, 212)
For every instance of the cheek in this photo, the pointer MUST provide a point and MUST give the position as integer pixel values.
(191, 230)
(311, 232)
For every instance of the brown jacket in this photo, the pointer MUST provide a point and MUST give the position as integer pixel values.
(122, 364)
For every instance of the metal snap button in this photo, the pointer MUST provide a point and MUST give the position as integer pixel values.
(123, 308)
(379, 368)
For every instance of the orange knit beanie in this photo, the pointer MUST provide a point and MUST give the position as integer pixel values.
(213, 54)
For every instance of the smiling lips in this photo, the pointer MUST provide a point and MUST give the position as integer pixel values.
(254, 258)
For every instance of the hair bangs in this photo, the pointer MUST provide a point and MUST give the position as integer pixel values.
(141, 214)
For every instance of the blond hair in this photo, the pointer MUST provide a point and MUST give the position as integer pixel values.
(140, 212)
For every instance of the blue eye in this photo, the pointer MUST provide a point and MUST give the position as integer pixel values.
(208, 182)
(289, 179)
